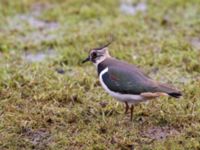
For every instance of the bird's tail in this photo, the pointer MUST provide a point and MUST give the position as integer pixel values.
(170, 90)
(175, 94)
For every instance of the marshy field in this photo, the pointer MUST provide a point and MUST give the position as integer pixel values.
(49, 100)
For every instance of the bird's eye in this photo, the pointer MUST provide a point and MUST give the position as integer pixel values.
(94, 55)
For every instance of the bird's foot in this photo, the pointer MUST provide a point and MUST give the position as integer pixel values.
(126, 107)
(132, 108)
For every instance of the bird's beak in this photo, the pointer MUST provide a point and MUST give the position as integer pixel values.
(87, 59)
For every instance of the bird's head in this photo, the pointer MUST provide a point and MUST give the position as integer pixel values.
(97, 55)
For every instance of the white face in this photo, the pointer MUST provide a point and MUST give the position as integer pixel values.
(97, 56)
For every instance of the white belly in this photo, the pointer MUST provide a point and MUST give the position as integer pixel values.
(130, 98)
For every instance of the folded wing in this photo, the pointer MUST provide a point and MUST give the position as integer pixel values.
(134, 82)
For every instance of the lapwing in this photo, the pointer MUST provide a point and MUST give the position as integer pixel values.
(125, 82)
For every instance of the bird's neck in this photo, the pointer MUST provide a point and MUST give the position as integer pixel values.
(101, 59)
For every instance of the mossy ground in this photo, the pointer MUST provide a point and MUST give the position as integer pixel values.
(58, 103)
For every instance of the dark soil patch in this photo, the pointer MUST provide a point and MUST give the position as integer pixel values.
(159, 133)
(38, 138)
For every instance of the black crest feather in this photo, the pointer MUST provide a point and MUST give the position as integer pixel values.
(105, 45)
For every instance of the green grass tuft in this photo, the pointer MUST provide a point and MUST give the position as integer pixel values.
(57, 103)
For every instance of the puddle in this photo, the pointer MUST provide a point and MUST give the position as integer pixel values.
(31, 20)
(38, 37)
(29, 28)
(36, 23)
(38, 30)
(40, 56)
(195, 42)
(159, 133)
(22, 22)
(184, 80)
(130, 9)
(38, 7)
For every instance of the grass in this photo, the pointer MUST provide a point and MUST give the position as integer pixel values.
(41, 108)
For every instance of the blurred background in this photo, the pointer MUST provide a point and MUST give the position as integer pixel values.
(49, 100)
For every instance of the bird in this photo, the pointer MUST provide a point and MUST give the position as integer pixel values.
(126, 82)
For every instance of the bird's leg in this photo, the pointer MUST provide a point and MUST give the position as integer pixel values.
(127, 107)
(132, 107)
